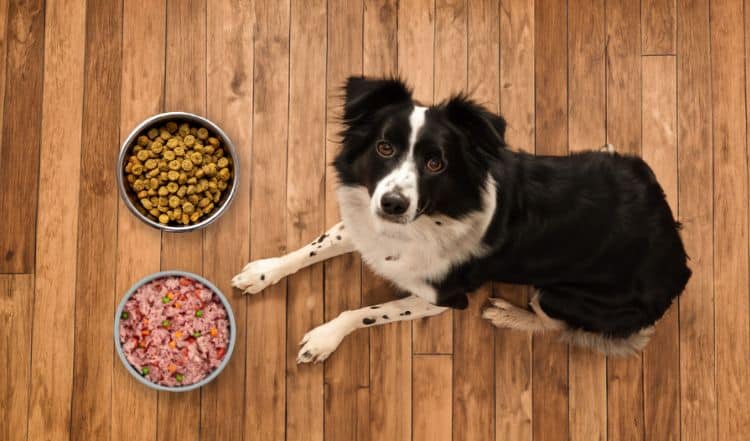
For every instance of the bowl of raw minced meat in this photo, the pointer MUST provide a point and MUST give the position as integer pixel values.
(174, 331)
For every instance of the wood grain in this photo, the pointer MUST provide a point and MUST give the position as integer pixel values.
(390, 391)
(698, 399)
(266, 312)
(4, 22)
(56, 248)
(16, 301)
(661, 358)
(432, 397)
(730, 161)
(226, 244)
(95, 280)
(21, 134)
(658, 27)
(305, 207)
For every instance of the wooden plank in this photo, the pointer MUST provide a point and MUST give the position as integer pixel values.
(57, 226)
(19, 154)
(390, 345)
(138, 245)
(695, 188)
(4, 21)
(550, 357)
(658, 27)
(347, 370)
(624, 375)
(432, 397)
(265, 388)
(226, 245)
(95, 280)
(473, 360)
(661, 358)
(513, 350)
(305, 202)
(16, 300)
(730, 161)
(178, 415)
(586, 131)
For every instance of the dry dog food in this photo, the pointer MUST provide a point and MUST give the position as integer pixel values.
(178, 173)
(174, 331)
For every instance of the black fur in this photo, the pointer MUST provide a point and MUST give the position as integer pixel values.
(592, 231)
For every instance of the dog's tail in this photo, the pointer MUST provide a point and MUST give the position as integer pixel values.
(615, 346)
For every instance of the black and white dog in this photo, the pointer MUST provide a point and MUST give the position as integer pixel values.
(434, 202)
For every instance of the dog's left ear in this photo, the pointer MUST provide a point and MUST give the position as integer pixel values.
(365, 96)
(484, 129)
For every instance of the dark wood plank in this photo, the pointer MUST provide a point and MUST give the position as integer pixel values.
(95, 280)
(658, 27)
(266, 314)
(347, 370)
(179, 414)
(730, 161)
(16, 300)
(57, 226)
(138, 245)
(695, 188)
(4, 22)
(21, 134)
(305, 200)
(390, 345)
(586, 131)
(550, 357)
(661, 358)
(473, 360)
(432, 397)
(624, 375)
(513, 350)
(226, 245)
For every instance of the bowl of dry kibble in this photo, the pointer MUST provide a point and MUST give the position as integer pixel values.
(177, 171)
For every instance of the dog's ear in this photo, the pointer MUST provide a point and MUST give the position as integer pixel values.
(365, 96)
(484, 129)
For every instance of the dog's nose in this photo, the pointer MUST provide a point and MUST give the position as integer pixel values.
(394, 203)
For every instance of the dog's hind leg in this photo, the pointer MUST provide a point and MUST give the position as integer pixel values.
(259, 274)
(504, 314)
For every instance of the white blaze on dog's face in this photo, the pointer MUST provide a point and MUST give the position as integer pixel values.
(396, 195)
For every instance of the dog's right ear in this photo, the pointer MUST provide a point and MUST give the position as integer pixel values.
(365, 96)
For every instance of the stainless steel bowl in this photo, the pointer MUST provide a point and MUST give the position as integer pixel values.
(130, 198)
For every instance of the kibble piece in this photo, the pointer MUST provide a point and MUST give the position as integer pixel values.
(202, 133)
(137, 169)
(195, 216)
(154, 212)
(188, 207)
(208, 150)
(168, 155)
(164, 134)
(173, 175)
(163, 176)
(129, 167)
(154, 183)
(151, 164)
(163, 191)
(224, 174)
(222, 184)
(153, 173)
(174, 165)
(174, 201)
(164, 219)
(204, 202)
(143, 140)
(146, 204)
(182, 179)
(199, 173)
(184, 129)
(139, 185)
(193, 198)
(142, 194)
(171, 126)
(189, 140)
(153, 133)
(187, 165)
(142, 155)
(172, 187)
(222, 162)
(213, 141)
(196, 158)
(151, 192)
(177, 212)
(179, 151)
(209, 208)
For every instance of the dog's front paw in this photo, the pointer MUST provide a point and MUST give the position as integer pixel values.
(259, 274)
(320, 342)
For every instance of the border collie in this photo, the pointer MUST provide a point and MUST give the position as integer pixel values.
(435, 202)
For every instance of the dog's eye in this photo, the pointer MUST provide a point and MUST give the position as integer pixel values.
(384, 149)
(435, 165)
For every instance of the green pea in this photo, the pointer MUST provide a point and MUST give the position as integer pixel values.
(165, 323)
(199, 313)
(124, 315)
(178, 377)
(165, 300)
(145, 370)
(197, 334)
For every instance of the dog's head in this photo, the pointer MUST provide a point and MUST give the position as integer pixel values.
(412, 159)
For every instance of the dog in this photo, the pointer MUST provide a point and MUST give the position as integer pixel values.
(436, 203)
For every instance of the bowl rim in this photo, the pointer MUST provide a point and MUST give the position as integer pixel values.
(232, 330)
(131, 138)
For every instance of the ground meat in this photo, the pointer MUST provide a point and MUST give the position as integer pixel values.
(174, 331)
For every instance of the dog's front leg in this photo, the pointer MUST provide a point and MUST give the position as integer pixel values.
(320, 342)
(259, 274)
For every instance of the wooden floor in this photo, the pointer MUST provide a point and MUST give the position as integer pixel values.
(665, 79)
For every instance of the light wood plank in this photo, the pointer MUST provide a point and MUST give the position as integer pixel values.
(730, 161)
(698, 399)
(138, 245)
(266, 314)
(16, 300)
(658, 27)
(306, 209)
(661, 358)
(513, 350)
(432, 397)
(95, 280)
(550, 357)
(21, 132)
(56, 248)
(4, 22)
(390, 345)
(226, 245)
(347, 370)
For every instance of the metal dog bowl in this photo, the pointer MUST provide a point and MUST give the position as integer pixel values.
(179, 117)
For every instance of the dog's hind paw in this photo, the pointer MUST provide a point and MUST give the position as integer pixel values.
(258, 275)
(608, 148)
